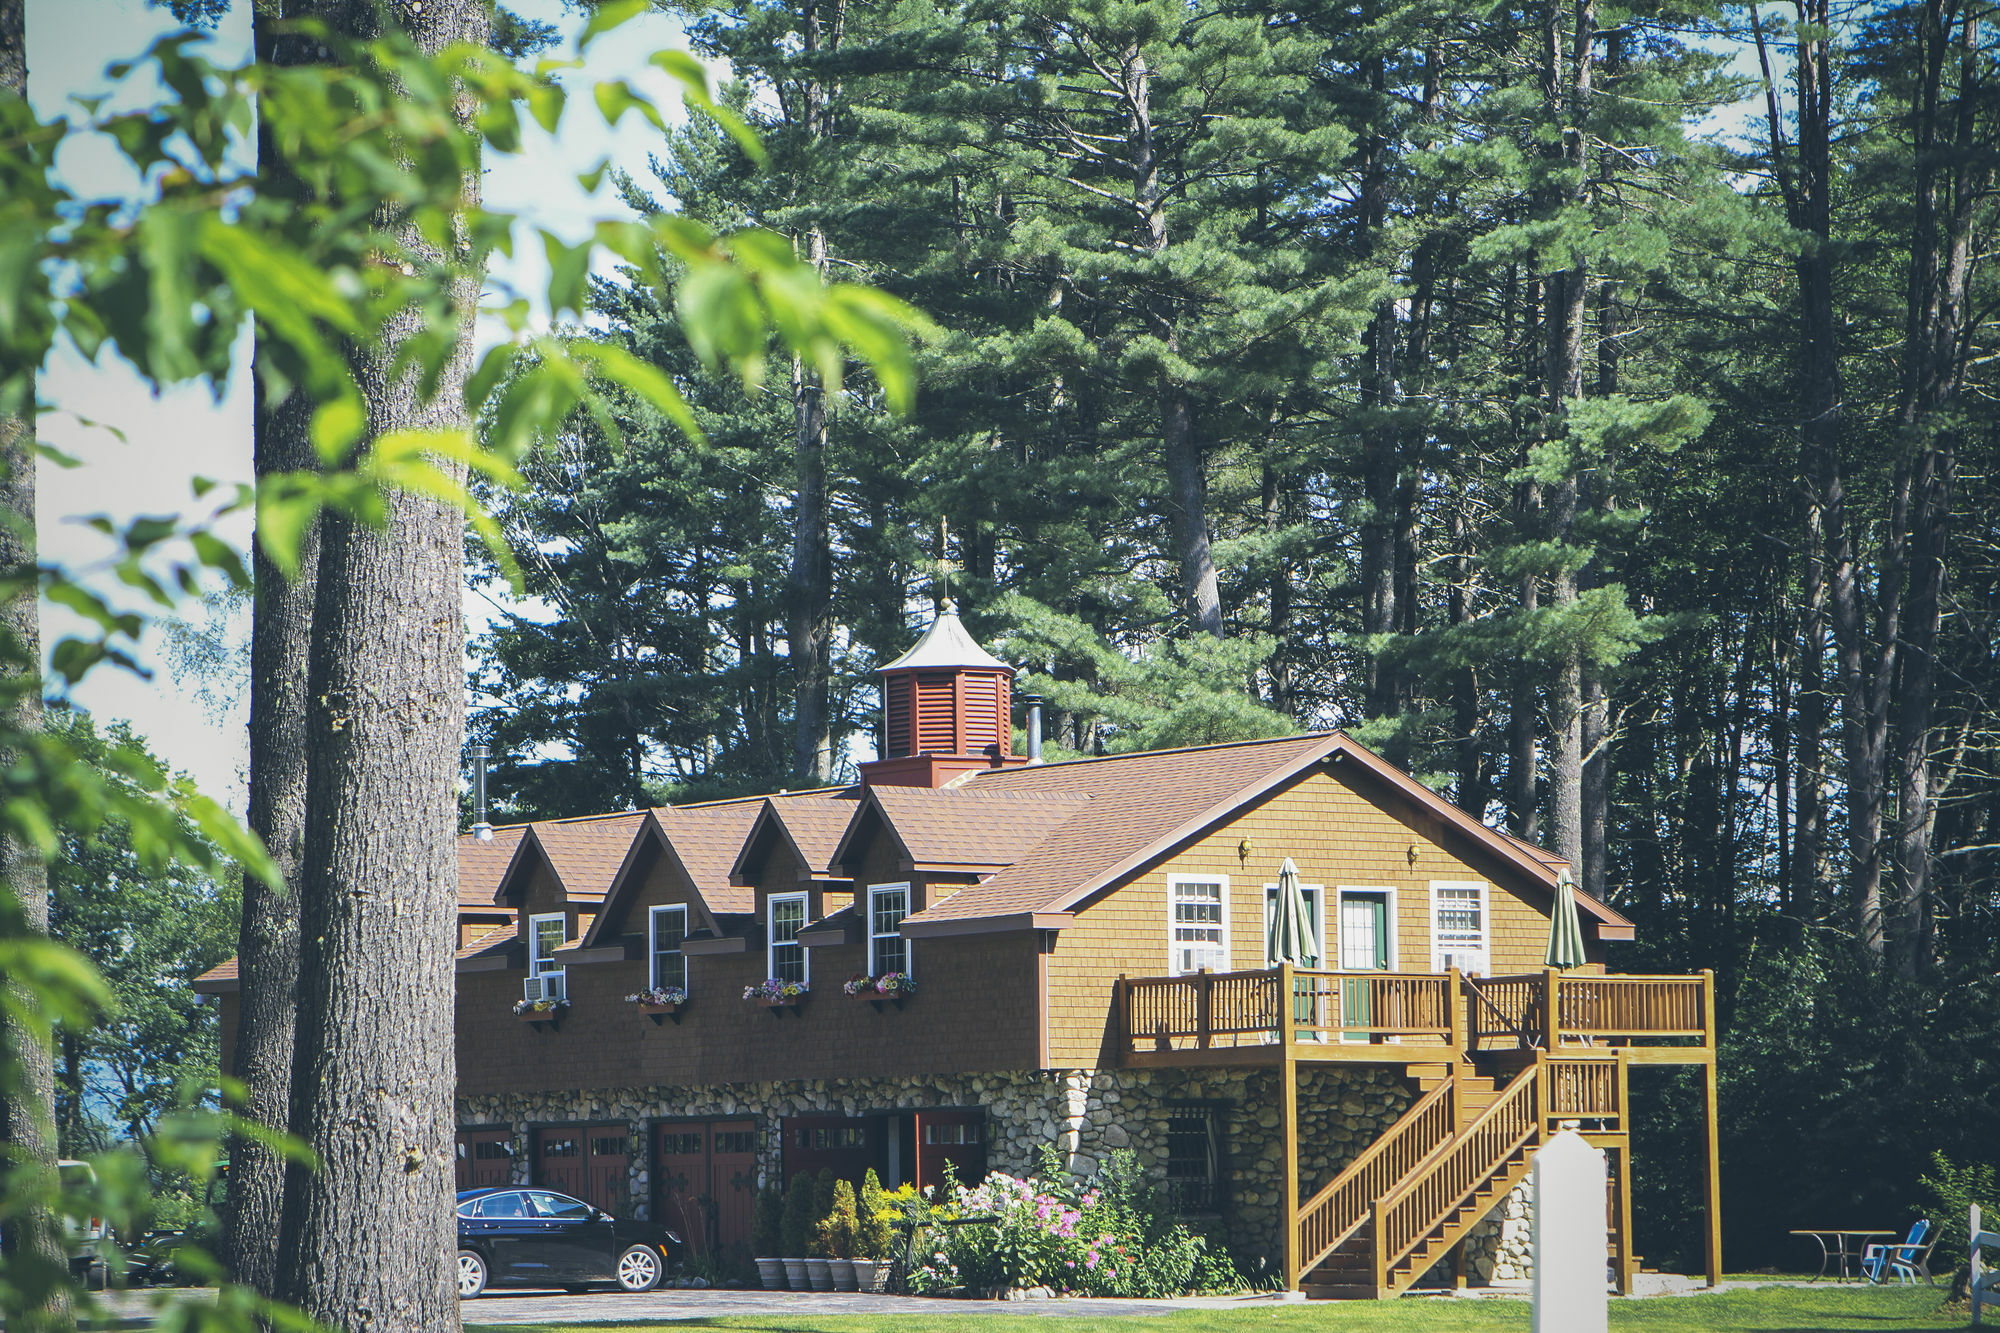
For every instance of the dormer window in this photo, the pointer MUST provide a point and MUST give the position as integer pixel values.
(787, 958)
(546, 934)
(888, 951)
(669, 928)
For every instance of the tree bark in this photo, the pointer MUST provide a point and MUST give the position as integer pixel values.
(1381, 460)
(809, 587)
(268, 936)
(28, 1108)
(368, 1239)
(1181, 454)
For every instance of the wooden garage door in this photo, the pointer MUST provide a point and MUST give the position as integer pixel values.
(848, 1146)
(485, 1158)
(588, 1162)
(705, 1183)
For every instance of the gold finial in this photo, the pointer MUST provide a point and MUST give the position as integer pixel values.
(946, 606)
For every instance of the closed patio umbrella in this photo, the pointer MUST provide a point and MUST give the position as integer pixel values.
(1292, 939)
(1565, 927)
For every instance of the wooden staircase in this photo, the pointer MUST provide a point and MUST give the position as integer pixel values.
(1419, 1190)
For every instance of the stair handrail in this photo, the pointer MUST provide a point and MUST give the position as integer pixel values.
(1477, 1151)
(1346, 1198)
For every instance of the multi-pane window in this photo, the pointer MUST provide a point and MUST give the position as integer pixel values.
(888, 951)
(1198, 939)
(788, 918)
(1458, 927)
(545, 935)
(1194, 1158)
(669, 931)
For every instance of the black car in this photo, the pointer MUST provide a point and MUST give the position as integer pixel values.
(538, 1238)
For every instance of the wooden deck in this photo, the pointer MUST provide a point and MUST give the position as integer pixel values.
(1500, 1063)
(1237, 1018)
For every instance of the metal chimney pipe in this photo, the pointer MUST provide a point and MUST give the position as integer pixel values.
(1034, 702)
(480, 828)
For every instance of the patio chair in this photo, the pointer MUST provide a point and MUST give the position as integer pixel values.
(1907, 1261)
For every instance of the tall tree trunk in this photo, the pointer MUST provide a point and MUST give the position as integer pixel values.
(1933, 356)
(1563, 385)
(1381, 460)
(1180, 451)
(809, 588)
(28, 1108)
(268, 938)
(1469, 791)
(368, 1238)
(1275, 491)
(268, 935)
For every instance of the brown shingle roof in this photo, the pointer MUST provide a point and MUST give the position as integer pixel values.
(482, 865)
(498, 937)
(1135, 802)
(974, 827)
(816, 821)
(586, 853)
(707, 838)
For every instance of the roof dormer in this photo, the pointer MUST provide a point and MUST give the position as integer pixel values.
(947, 710)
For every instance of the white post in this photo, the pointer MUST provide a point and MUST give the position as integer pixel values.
(1569, 1237)
(1978, 1280)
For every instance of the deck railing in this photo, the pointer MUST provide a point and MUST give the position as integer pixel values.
(1545, 1010)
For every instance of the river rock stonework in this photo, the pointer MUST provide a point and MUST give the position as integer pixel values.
(1502, 1247)
(1087, 1114)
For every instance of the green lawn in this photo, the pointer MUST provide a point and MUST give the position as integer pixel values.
(1818, 1310)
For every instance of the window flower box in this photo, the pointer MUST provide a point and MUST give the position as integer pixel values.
(778, 995)
(538, 1013)
(661, 1002)
(889, 988)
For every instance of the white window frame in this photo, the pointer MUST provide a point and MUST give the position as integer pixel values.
(535, 964)
(653, 943)
(1388, 892)
(1173, 922)
(804, 900)
(868, 925)
(1485, 921)
(1317, 894)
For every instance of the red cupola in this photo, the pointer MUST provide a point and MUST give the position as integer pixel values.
(948, 709)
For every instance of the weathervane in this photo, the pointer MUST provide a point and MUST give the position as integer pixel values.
(944, 565)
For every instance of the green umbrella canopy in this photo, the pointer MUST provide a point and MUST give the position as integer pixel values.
(1565, 927)
(1292, 938)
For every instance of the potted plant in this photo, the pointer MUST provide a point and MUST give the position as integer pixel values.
(819, 1270)
(538, 1012)
(873, 1234)
(660, 1002)
(765, 1219)
(779, 994)
(837, 1236)
(894, 988)
(795, 1230)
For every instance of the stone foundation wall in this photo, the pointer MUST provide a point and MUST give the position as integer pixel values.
(1502, 1247)
(1086, 1113)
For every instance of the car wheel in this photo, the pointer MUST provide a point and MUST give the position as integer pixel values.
(94, 1279)
(471, 1274)
(640, 1268)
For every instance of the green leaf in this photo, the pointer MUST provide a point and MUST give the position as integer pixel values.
(644, 379)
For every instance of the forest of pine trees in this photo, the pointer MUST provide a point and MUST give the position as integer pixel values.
(1588, 405)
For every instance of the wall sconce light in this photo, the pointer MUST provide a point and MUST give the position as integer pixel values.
(1412, 853)
(1243, 850)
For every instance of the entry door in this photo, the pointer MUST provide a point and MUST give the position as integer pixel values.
(485, 1158)
(1364, 947)
(957, 1137)
(705, 1174)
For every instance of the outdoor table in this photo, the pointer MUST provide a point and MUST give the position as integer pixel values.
(1841, 1245)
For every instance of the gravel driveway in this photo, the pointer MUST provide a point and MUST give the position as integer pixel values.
(548, 1307)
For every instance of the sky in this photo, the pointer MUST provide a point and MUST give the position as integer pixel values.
(169, 439)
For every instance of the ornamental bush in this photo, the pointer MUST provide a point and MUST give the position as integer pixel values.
(1105, 1235)
(796, 1226)
(838, 1230)
(877, 1219)
(766, 1219)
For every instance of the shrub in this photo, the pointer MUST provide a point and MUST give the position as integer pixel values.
(822, 1204)
(838, 1229)
(875, 1226)
(1108, 1235)
(766, 1219)
(795, 1227)
(1952, 1190)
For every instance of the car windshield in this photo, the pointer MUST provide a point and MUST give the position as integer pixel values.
(560, 1206)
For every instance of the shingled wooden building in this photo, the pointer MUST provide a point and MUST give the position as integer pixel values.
(1088, 946)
